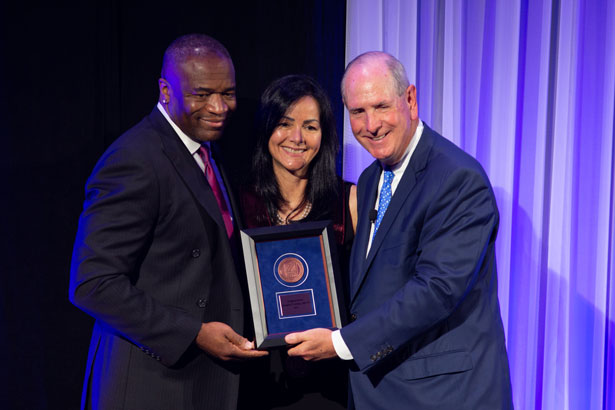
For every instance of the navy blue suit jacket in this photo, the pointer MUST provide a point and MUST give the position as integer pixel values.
(427, 331)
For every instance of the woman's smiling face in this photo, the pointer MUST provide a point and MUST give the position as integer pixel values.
(296, 139)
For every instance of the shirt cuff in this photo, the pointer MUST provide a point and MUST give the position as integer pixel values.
(340, 346)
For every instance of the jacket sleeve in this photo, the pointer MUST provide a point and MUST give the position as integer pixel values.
(115, 228)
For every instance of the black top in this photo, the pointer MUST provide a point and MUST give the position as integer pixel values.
(283, 382)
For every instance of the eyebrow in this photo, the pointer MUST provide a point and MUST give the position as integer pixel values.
(376, 104)
(211, 90)
(286, 117)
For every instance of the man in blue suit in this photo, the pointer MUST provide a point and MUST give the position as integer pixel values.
(426, 331)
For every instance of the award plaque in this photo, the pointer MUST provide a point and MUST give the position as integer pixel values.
(291, 279)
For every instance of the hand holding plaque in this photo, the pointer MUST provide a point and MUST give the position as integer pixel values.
(313, 344)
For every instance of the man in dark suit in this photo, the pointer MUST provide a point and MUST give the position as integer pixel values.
(426, 330)
(154, 259)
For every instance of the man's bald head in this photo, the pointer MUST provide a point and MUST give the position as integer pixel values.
(191, 45)
(395, 68)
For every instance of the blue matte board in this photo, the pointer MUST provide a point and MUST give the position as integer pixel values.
(308, 251)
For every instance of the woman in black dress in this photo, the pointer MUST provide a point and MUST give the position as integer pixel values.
(293, 181)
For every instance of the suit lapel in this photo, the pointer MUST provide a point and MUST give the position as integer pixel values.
(404, 188)
(186, 167)
(226, 180)
(366, 198)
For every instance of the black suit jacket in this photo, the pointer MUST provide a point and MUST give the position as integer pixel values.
(427, 332)
(151, 262)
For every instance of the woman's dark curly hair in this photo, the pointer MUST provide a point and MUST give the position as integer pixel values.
(322, 183)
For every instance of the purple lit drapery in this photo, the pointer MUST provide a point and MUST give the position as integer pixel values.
(528, 88)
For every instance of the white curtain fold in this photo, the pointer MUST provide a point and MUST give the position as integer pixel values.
(528, 88)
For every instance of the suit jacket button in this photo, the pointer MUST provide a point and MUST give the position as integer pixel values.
(196, 253)
(353, 317)
(373, 358)
(202, 303)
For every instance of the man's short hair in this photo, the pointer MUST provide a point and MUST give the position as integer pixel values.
(396, 68)
(191, 45)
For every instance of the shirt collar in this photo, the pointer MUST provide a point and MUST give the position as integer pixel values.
(401, 166)
(192, 145)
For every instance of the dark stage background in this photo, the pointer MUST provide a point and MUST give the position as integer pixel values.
(73, 79)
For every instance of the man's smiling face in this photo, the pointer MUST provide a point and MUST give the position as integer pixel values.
(200, 92)
(382, 121)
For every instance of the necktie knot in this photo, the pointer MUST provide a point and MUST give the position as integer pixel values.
(204, 152)
(388, 176)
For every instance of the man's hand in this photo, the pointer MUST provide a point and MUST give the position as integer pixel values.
(220, 340)
(313, 344)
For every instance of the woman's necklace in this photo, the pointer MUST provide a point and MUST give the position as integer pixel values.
(306, 210)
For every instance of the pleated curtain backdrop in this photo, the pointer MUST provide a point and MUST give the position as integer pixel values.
(527, 88)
